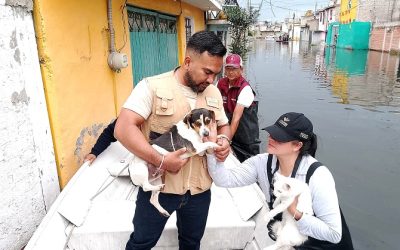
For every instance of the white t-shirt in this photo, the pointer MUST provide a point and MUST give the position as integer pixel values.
(246, 97)
(141, 100)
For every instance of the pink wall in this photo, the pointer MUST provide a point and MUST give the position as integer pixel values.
(385, 39)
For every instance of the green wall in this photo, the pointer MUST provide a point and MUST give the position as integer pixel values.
(354, 35)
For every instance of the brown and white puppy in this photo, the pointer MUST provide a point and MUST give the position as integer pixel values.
(188, 133)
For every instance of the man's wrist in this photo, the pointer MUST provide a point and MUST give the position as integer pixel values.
(224, 137)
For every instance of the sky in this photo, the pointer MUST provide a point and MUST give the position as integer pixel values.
(278, 10)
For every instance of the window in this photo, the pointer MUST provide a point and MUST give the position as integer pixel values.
(188, 28)
(222, 36)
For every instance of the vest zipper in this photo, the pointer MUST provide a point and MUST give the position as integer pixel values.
(190, 174)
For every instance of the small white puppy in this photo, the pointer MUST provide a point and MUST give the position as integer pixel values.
(285, 190)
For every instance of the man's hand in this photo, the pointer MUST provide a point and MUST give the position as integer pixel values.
(173, 162)
(90, 158)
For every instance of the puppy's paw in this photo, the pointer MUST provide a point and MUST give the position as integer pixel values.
(148, 187)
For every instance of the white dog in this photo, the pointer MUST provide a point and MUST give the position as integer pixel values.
(188, 133)
(285, 190)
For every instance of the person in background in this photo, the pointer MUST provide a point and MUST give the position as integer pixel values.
(241, 108)
(291, 150)
(104, 140)
(154, 106)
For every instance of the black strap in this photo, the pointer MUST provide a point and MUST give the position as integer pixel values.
(269, 168)
(311, 170)
(270, 175)
(296, 166)
(312, 243)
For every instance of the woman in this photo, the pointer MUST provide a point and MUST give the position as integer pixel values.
(290, 151)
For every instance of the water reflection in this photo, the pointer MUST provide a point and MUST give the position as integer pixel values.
(353, 99)
(362, 77)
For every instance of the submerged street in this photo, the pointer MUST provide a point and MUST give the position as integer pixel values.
(353, 99)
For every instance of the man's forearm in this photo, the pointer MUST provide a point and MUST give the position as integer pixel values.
(226, 130)
(127, 132)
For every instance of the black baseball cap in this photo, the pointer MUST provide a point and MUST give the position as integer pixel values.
(291, 126)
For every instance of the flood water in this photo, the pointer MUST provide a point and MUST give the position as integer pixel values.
(353, 100)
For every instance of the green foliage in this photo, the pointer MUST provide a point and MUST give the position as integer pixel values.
(240, 20)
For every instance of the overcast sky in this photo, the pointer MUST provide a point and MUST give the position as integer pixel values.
(280, 9)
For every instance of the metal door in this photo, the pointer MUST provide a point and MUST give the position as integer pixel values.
(334, 35)
(154, 43)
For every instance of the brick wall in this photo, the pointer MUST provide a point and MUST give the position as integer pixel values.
(385, 38)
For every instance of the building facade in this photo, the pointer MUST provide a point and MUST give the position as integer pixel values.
(59, 91)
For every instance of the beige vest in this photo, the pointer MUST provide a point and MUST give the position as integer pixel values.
(169, 107)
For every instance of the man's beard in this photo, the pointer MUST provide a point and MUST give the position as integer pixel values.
(197, 88)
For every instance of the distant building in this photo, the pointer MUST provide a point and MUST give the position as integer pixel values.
(348, 32)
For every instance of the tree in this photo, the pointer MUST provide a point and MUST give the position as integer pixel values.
(240, 20)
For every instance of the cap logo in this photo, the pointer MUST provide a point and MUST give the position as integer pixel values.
(283, 123)
(304, 136)
(286, 119)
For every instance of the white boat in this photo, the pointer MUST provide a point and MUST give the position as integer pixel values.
(95, 211)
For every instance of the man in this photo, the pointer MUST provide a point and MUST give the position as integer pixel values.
(155, 105)
(240, 108)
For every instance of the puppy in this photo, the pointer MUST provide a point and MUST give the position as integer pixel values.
(285, 190)
(188, 133)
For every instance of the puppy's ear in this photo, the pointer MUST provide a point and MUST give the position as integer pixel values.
(187, 119)
(286, 186)
(212, 114)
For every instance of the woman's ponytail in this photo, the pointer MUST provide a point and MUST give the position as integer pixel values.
(310, 146)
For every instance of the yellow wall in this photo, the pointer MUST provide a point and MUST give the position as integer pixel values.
(83, 95)
(348, 11)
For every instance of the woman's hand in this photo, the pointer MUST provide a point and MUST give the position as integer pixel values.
(292, 209)
(222, 152)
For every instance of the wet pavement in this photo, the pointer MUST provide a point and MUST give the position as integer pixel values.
(353, 100)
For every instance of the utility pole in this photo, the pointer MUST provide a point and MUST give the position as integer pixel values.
(294, 14)
(315, 9)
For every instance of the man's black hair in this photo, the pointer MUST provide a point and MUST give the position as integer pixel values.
(206, 41)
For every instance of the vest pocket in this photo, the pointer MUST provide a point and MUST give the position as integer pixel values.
(164, 102)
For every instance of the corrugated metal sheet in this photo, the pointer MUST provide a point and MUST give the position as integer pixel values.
(154, 42)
